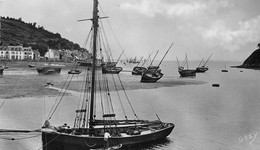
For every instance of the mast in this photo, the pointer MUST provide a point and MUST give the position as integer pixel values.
(154, 58)
(165, 54)
(95, 27)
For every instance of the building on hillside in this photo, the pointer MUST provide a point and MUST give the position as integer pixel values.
(16, 53)
(36, 54)
(52, 55)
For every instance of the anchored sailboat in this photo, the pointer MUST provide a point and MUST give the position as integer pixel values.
(186, 72)
(88, 131)
(203, 68)
(153, 73)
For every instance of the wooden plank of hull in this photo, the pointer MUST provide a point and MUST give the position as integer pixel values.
(58, 141)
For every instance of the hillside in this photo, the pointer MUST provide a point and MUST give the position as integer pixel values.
(253, 61)
(17, 32)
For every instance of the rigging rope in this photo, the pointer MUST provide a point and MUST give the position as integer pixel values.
(127, 97)
(119, 97)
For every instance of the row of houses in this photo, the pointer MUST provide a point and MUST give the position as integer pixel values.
(17, 53)
(26, 53)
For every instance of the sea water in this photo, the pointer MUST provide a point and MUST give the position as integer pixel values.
(205, 117)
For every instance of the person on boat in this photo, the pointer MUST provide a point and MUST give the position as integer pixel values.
(106, 136)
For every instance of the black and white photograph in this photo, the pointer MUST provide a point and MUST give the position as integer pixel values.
(129, 74)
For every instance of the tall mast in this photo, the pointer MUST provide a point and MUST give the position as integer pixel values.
(95, 27)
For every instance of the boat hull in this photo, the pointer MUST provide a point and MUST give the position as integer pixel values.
(49, 70)
(187, 73)
(60, 141)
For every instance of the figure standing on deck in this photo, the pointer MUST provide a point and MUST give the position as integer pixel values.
(106, 136)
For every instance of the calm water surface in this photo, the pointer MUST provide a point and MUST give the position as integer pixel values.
(206, 117)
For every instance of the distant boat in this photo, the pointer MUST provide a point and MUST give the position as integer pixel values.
(74, 71)
(203, 68)
(186, 72)
(153, 73)
(224, 70)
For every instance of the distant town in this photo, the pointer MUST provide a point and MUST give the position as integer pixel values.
(27, 53)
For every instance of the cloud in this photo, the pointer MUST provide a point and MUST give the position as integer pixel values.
(151, 8)
(232, 39)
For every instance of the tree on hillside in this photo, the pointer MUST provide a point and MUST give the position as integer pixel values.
(258, 45)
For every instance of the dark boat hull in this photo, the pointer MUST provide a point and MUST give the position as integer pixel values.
(1, 71)
(59, 141)
(111, 70)
(187, 73)
(49, 70)
(138, 70)
(201, 69)
(150, 77)
(74, 72)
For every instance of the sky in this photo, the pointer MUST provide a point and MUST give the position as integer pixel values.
(230, 29)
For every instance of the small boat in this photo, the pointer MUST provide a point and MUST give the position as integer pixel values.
(48, 70)
(138, 70)
(224, 70)
(203, 68)
(96, 114)
(111, 70)
(31, 66)
(74, 71)
(154, 73)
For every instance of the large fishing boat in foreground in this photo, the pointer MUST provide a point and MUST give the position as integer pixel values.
(88, 131)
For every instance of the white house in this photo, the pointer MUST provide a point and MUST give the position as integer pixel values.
(16, 52)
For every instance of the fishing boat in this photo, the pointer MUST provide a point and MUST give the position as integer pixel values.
(110, 67)
(48, 70)
(88, 129)
(139, 70)
(203, 68)
(186, 72)
(154, 73)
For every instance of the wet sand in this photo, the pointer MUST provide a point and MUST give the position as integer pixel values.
(21, 81)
